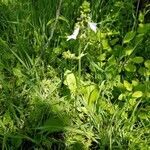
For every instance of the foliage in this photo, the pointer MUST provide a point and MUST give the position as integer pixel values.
(87, 90)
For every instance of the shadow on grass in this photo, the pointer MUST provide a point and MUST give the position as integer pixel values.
(43, 129)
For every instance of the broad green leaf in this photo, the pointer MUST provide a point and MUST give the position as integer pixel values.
(135, 83)
(91, 93)
(57, 50)
(130, 67)
(102, 57)
(70, 81)
(138, 60)
(148, 72)
(147, 94)
(93, 96)
(128, 50)
(129, 36)
(142, 71)
(120, 85)
(106, 45)
(132, 101)
(121, 96)
(143, 115)
(139, 38)
(127, 85)
(112, 60)
(147, 64)
(137, 94)
(124, 115)
(143, 28)
(55, 124)
(17, 72)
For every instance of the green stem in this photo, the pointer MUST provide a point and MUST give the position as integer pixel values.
(79, 63)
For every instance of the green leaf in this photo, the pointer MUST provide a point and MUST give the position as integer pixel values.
(137, 94)
(106, 45)
(112, 60)
(127, 85)
(139, 38)
(93, 96)
(114, 41)
(128, 50)
(141, 17)
(130, 67)
(50, 22)
(142, 71)
(135, 83)
(17, 72)
(63, 19)
(132, 101)
(91, 93)
(102, 57)
(147, 73)
(121, 96)
(138, 60)
(147, 64)
(147, 94)
(70, 81)
(143, 115)
(143, 28)
(55, 124)
(129, 36)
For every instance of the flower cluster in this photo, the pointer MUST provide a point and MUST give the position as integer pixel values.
(93, 26)
(83, 22)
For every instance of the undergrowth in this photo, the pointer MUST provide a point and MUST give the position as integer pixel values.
(89, 90)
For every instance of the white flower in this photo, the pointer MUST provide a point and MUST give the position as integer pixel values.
(93, 26)
(74, 35)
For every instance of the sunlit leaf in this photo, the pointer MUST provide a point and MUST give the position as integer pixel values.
(128, 50)
(93, 96)
(132, 101)
(70, 81)
(147, 94)
(141, 17)
(143, 28)
(102, 57)
(106, 45)
(147, 64)
(138, 60)
(143, 115)
(137, 94)
(129, 36)
(135, 83)
(90, 93)
(127, 85)
(121, 96)
(142, 71)
(130, 67)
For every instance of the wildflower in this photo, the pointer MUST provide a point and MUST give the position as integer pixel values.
(74, 35)
(93, 26)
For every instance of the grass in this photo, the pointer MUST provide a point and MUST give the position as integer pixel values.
(91, 93)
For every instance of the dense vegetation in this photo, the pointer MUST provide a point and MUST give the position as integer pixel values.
(89, 90)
